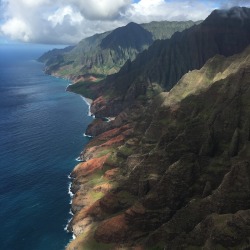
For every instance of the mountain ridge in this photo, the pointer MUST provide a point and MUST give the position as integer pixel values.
(167, 60)
(132, 35)
(90, 57)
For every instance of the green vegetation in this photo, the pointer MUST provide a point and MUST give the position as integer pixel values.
(126, 197)
(96, 178)
(96, 195)
(115, 160)
(126, 151)
(104, 152)
(153, 90)
(165, 29)
(83, 88)
(86, 241)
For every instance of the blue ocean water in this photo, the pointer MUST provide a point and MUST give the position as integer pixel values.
(41, 134)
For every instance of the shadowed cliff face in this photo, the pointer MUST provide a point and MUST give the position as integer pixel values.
(166, 61)
(130, 36)
(173, 172)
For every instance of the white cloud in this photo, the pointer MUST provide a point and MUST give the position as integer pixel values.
(17, 29)
(68, 21)
(232, 3)
(101, 9)
(147, 10)
(63, 13)
(32, 3)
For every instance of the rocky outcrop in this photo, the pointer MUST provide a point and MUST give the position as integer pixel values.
(175, 172)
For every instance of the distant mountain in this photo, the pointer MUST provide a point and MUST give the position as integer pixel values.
(104, 54)
(130, 36)
(54, 55)
(166, 61)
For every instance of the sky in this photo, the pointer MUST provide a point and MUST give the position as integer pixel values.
(69, 21)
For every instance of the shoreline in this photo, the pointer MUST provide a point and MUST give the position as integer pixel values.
(86, 192)
(88, 101)
(70, 193)
(81, 198)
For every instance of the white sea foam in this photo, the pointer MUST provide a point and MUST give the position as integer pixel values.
(89, 105)
(88, 102)
(66, 229)
(35, 205)
(79, 159)
(69, 190)
(109, 119)
(67, 85)
(89, 136)
(70, 211)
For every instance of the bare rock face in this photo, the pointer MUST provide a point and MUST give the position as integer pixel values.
(100, 125)
(227, 230)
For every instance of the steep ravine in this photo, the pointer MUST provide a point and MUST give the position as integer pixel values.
(173, 170)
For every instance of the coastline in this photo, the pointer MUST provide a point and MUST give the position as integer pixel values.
(43, 152)
(97, 175)
(96, 185)
(71, 193)
(88, 101)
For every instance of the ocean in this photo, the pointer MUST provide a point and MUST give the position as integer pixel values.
(41, 135)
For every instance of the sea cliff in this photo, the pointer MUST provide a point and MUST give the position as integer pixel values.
(172, 170)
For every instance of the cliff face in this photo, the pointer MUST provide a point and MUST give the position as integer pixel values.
(171, 171)
(166, 61)
(106, 53)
